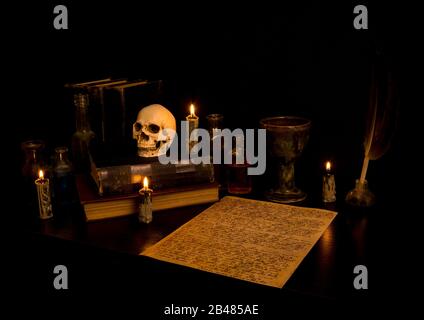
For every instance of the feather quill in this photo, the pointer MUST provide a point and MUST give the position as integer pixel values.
(382, 114)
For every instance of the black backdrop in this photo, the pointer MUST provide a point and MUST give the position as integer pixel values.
(247, 62)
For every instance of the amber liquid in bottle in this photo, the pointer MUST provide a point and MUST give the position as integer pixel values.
(239, 182)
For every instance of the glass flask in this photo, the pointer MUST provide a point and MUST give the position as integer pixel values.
(33, 158)
(216, 122)
(83, 134)
(238, 179)
(33, 162)
(65, 194)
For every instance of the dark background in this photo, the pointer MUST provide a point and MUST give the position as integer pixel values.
(247, 62)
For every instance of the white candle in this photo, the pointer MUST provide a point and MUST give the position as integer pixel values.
(328, 184)
(145, 209)
(193, 123)
(44, 196)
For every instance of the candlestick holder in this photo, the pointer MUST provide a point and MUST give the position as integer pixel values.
(360, 196)
(286, 139)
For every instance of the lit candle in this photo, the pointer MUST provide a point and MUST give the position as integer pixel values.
(44, 196)
(193, 123)
(328, 184)
(145, 209)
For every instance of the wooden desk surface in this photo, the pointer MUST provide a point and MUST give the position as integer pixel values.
(104, 254)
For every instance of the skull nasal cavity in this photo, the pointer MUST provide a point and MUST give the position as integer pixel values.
(153, 128)
(144, 136)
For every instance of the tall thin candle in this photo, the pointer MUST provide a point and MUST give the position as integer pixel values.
(145, 209)
(193, 123)
(44, 196)
(328, 184)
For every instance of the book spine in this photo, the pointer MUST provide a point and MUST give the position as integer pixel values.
(128, 178)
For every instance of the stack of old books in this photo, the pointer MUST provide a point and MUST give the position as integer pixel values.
(112, 191)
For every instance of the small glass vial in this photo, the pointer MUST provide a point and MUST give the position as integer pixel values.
(33, 159)
(33, 162)
(215, 123)
(83, 134)
(238, 180)
(63, 180)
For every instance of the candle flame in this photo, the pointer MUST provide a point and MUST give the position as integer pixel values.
(41, 174)
(192, 110)
(145, 183)
(328, 165)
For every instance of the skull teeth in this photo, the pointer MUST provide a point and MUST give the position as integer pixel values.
(151, 148)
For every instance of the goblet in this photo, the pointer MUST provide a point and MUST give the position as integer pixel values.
(286, 139)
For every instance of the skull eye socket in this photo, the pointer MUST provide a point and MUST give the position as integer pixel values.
(137, 126)
(153, 128)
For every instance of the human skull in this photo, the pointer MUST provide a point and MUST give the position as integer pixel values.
(154, 130)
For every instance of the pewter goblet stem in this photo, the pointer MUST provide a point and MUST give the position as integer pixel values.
(286, 177)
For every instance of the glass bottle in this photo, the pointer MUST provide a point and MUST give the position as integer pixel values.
(83, 135)
(33, 162)
(361, 195)
(216, 122)
(33, 158)
(65, 195)
(238, 180)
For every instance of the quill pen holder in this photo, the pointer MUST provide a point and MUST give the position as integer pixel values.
(360, 196)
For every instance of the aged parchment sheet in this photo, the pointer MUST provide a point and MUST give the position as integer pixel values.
(256, 241)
